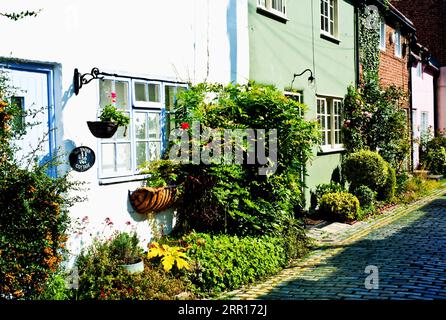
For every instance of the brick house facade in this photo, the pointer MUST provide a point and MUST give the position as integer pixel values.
(393, 70)
(429, 19)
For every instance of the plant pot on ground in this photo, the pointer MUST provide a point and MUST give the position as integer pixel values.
(110, 119)
(124, 249)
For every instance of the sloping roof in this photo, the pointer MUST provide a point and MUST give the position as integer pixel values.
(394, 14)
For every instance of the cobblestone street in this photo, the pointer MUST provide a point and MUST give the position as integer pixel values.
(409, 252)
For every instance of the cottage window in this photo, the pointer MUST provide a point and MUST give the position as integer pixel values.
(150, 107)
(329, 114)
(382, 35)
(277, 7)
(296, 96)
(329, 17)
(424, 122)
(398, 49)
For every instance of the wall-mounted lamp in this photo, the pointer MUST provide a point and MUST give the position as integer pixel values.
(310, 78)
(80, 79)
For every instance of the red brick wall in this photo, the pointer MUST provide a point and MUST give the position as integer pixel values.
(392, 69)
(429, 18)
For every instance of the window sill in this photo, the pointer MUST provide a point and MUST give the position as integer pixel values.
(272, 14)
(115, 180)
(330, 38)
(326, 150)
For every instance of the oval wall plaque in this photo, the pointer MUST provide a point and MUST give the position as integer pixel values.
(82, 158)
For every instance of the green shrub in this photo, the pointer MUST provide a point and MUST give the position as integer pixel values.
(365, 168)
(340, 206)
(124, 248)
(365, 195)
(434, 159)
(55, 289)
(387, 191)
(296, 243)
(101, 277)
(226, 262)
(33, 209)
(401, 182)
(324, 189)
(240, 198)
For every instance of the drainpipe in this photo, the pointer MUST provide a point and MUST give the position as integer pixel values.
(356, 18)
(412, 42)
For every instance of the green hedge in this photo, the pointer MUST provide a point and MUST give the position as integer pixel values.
(365, 168)
(227, 262)
(340, 206)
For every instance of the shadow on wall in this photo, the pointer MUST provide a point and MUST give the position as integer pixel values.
(411, 248)
(160, 222)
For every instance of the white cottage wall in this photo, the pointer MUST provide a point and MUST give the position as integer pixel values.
(178, 40)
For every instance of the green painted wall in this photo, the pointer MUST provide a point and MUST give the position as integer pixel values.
(280, 49)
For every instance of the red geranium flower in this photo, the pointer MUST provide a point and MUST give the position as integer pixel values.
(185, 125)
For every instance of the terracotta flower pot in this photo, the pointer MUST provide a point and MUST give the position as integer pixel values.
(102, 129)
(147, 199)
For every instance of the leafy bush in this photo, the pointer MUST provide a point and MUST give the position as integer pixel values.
(370, 108)
(227, 262)
(55, 289)
(365, 168)
(33, 219)
(433, 155)
(340, 206)
(296, 243)
(401, 182)
(387, 191)
(324, 189)
(124, 248)
(365, 195)
(101, 277)
(235, 198)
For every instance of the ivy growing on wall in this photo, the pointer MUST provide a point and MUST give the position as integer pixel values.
(369, 20)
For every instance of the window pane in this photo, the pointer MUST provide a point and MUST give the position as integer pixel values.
(122, 95)
(169, 97)
(154, 92)
(140, 125)
(105, 90)
(141, 153)
(141, 92)
(108, 158)
(123, 158)
(123, 133)
(154, 150)
(154, 126)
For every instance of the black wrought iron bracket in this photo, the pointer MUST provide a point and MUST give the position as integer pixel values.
(310, 78)
(81, 79)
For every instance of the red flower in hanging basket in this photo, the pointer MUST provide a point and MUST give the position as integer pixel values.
(185, 125)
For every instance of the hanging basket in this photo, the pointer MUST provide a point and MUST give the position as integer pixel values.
(146, 199)
(102, 129)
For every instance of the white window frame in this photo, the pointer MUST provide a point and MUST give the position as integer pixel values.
(331, 17)
(269, 5)
(101, 142)
(297, 96)
(398, 44)
(147, 104)
(330, 115)
(382, 34)
(424, 122)
(135, 107)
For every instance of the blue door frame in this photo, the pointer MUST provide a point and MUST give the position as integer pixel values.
(47, 69)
